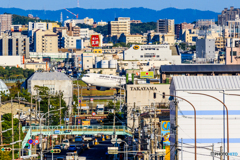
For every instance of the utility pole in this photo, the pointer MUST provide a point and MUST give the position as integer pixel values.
(19, 126)
(139, 135)
(155, 129)
(182, 149)
(221, 157)
(213, 150)
(60, 112)
(151, 136)
(48, 108)
(78, 97)
(81, 101)
(36, 111)
(31, 124)
(12, 130)
(1, 122)
(176, 125)
(133, 121)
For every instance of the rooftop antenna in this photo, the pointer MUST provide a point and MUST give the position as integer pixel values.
(78, 4)
(61, 18)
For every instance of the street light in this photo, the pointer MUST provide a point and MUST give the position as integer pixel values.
(195, 121)
(227, 116)
(15, 142)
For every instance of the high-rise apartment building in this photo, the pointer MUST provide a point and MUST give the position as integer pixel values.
(119, 26)
(14, 45)
(228, 15)
(45, 42)
(165, 26)
(5, 22)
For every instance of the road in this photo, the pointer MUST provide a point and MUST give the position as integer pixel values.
(97, 152)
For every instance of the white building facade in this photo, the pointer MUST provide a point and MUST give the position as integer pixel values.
(152, 52)
(211, 117)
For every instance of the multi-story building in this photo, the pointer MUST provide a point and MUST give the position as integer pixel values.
(119, 26)
(136, 21)
(37, 25)
(102, 23)
(179, 27)
(204, 23)
(88, 21)
(50, 26)
(153, 52)
(137, 39)
(14, 45)
(220, 43)
(45, 41)
(189, 36)
(205, 48)
(70, 42)
(228, 15)
(163, 38)
(5, 22)
(165, 26)
(233, 51)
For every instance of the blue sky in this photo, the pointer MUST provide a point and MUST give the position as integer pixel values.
(213, 5)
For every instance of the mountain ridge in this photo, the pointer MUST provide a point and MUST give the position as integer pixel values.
(144, 14)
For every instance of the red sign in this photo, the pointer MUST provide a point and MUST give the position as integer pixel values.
(146, 73)
(93, 114)
(91, 99)
(95, 40)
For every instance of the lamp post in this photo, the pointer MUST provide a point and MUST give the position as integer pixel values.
(227, 116)
(41, 128)
(195, 121)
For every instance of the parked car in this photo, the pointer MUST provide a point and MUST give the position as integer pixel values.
(78, 139)
(72, 148)
(60, 158)
(63, 146)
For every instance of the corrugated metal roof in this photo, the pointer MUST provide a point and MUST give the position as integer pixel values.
(206, 82)
(199, 68)
(49, 76)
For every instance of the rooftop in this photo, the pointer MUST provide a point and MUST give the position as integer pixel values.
(199, 68)
(49, 76)
(206, 82)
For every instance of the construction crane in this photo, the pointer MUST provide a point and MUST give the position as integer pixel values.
(72, 13)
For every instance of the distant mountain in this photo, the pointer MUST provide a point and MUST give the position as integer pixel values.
(143, 14)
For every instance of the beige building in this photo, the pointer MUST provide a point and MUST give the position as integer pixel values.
(142, 96)
(119, 26)
(14, 45)
(45, 41)
(5, 22)
(108, 71)
(44, 66)
(101, 23)
(163, 38)
(220, 43)
(137, 39)
(189, 36)
(165, 26)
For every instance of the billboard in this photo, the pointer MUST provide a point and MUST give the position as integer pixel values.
(165, 131)
(85, 123)
(148, 74)
(95, 41)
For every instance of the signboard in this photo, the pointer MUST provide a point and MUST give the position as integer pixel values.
(85, 123)
(165, 131)
(85, 107)
(95, 40)
(149, 74)
(112, 150)
(93, 114)
(36, 141)
(30, 141)
(79, 122)
(56, 132)
(136, 47)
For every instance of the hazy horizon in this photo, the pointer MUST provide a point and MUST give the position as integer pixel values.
(204, 5)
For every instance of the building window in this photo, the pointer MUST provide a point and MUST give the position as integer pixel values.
(234, 53)
(141, 56)
(87, 60)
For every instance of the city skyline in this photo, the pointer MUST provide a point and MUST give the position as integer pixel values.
(104, 4)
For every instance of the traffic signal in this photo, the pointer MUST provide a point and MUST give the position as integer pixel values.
(154, 95)
(163, 95)
(7, 149)
(55, 151)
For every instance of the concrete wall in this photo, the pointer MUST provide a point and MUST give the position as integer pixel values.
(205, 48)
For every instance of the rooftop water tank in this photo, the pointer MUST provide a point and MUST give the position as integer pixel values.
(113, 64)
(104, 64)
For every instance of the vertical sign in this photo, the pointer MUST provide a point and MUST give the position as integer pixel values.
(166, 132)
(95, 40)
